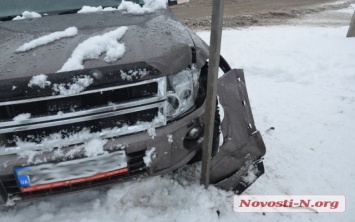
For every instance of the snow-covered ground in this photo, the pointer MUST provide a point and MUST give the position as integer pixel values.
(300, 81)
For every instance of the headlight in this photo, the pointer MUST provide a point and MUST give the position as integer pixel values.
(182, 92)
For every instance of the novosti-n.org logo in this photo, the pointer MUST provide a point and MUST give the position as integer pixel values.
(290, 203)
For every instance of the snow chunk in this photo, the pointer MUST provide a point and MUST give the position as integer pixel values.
(134, 9)
(22, 117)
(95, 147)
(170, 138)
(27, 15)
(155, 4)
(151, 132)
(94, 46)
(89, 9)
(79, 85)
(251, 176)
(149, 156)
(133, 74)
(69, 32)
(40, 81)
(11, 201)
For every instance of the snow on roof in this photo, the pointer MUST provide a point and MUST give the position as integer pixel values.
(40, 81)
(69, 32)
(26, 15)
(94, 46)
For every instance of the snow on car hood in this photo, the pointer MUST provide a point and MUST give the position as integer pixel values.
(156, 39)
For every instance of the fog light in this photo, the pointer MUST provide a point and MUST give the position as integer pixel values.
(194, 133)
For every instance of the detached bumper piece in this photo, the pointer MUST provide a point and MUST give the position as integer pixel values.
(239, 160)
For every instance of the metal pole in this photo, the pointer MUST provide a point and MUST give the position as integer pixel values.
(215, 49)
(351, 32)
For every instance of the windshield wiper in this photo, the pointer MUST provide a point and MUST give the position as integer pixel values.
(7, 18)
(72, 11)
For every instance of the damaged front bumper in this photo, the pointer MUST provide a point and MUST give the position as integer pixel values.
(236, 165)
(238, 162)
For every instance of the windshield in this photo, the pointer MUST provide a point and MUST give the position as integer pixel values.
(10, 8)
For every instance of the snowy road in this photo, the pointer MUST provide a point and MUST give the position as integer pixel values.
(301, 81)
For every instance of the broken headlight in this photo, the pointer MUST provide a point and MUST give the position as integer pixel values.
(182, 92)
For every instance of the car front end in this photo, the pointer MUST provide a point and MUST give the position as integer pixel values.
(138, 116)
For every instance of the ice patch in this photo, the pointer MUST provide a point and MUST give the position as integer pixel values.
(94, 46)
(22, 117)
(95, 147)
(27, 15)
(46, 39)
(149, 156)
(40, 81)
(79, 85)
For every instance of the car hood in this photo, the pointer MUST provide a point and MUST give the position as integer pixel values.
(157, 39)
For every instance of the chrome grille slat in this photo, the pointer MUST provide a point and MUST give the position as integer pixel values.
(80, 119)
(55, 123)
(82, 93)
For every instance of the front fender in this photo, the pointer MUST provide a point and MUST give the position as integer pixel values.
(243, 147)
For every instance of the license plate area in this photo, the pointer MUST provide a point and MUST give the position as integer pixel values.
(52, 175)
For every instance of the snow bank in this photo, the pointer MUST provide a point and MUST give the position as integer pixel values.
(40, 81)
(44, 40)
(27, 15)
(94, 46)
(21, 117)
(79, 85)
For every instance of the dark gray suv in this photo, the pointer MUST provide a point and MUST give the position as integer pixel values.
(91, 96)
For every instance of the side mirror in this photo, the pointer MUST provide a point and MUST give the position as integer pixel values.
(177, 2)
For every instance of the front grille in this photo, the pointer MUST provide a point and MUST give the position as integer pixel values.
(92, 126)
(79, 102)
(135, 164)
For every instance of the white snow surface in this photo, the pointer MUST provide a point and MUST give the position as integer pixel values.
(46, 39)
(27, 15)
(79, 85)
(94, 46)
(40, 81)
(22, 117)
(301, 81)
